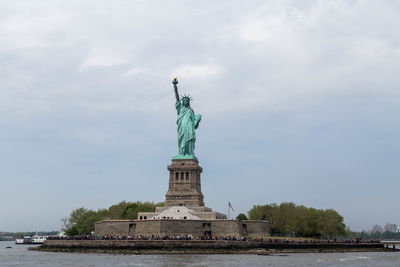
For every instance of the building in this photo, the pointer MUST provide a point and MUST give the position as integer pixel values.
(184, 212)
(390, 227)
(184, 191)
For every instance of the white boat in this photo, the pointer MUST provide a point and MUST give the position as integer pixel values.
(19, 241)
(36, 239)
(25, 240)
(39, 239)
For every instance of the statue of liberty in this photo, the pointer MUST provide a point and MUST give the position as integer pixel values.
(187, 123)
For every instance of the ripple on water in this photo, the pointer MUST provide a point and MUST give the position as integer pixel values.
(19, 255)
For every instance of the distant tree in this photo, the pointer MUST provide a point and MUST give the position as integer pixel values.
(263, 212)
(331, 223)
(301, 223)
(290, 219)
(241, 217)
(132, 209)
(378, 235)
(72, 231)
(81, 221)
(284, 219)
(115, 211)
(73, 218)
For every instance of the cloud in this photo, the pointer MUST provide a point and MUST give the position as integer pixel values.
(106, 57)
(199, 71)
(291, 93)
(30, 32)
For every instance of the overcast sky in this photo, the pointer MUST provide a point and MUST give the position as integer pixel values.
(300, 102)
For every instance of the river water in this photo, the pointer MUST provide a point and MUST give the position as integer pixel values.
(19, 255)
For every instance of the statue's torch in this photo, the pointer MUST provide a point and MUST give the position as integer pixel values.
(175, 82)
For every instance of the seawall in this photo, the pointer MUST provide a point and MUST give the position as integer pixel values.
(200, 246)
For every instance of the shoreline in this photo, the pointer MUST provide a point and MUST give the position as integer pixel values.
(202, 251)
(202, 247)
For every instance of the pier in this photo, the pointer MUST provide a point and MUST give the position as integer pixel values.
(200, 246)
(391, 244)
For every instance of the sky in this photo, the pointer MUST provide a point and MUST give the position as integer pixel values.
(300, 103)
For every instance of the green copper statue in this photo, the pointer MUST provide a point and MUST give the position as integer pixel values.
(187, 123)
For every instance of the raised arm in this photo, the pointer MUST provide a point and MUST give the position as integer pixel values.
(175, 82)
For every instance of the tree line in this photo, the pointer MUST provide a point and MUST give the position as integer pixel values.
(289, 219)
(376, 235)
(15, 235)
(81, 221)
(286, 219)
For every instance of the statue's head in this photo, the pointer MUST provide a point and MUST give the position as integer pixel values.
(186, 101)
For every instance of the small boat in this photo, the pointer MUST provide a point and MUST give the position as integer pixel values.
(38, 239)
(23, 241)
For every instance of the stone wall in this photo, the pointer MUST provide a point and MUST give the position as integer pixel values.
(254, 228)
(230, 246)
(196, 228)
(227, 228)
(181, 227)
(114, 227)
(212, 215)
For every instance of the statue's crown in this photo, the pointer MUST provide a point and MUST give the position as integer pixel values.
(188, 97)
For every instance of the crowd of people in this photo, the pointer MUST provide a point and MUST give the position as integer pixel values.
(207, 237)
(308, 241)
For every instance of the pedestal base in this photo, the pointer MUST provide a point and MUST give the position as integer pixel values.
(184, 184)
(185, 157)
(184, 194)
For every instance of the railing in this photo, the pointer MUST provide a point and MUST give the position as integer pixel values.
(391, 243)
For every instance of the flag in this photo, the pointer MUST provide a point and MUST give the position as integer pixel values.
(230, 206)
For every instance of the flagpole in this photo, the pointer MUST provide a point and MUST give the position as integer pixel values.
(229, 210)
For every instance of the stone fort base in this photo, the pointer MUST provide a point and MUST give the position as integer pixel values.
(196, 228)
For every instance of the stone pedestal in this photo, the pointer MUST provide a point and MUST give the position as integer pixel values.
(184, 184)
(184, 191)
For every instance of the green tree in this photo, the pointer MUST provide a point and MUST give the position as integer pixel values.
(290, 219)
(284, 219)
(331, 223)
(301, 227)
(115, 211)
(73, 218)
(132, 209)
(241, 217)
(263, 212)
(83, 222)
(312, 222)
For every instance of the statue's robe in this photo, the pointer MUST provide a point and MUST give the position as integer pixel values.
(187, 123)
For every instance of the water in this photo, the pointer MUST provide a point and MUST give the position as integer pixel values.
(19, 255)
